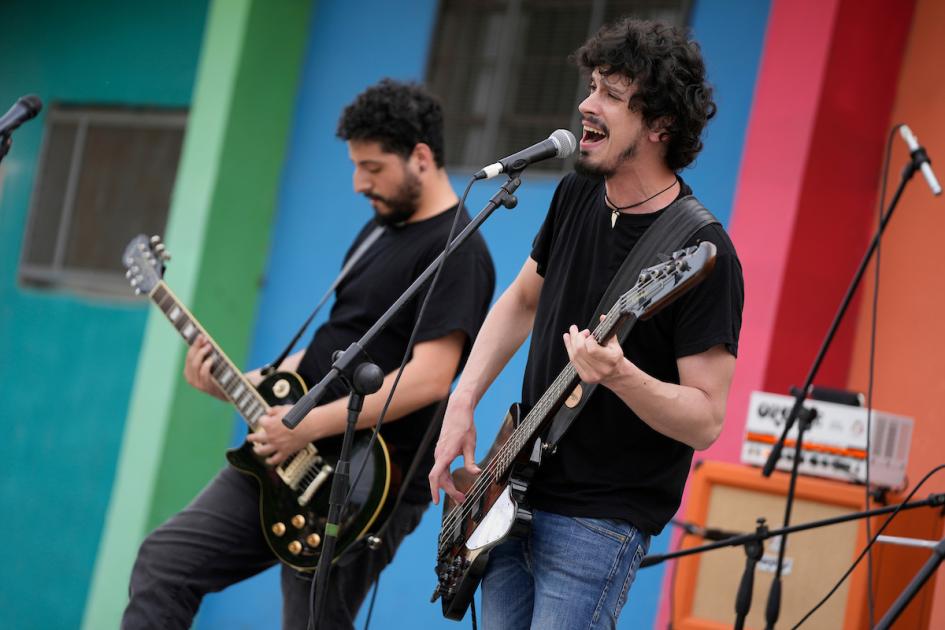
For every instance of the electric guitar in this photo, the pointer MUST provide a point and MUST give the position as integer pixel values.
(293, 497)
(495, 507)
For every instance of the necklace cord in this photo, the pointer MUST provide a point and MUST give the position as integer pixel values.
(615, 208)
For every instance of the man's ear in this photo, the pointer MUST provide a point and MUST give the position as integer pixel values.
(423, 157)
(659, 130)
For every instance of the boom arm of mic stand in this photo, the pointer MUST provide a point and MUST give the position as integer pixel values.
(934, 500)
(343, 365)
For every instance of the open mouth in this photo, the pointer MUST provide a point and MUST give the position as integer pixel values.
(592, 135)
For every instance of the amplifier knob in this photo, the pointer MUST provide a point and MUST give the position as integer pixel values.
(295, 547)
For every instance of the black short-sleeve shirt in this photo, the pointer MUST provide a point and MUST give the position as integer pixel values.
(611, 464)
(460, 301)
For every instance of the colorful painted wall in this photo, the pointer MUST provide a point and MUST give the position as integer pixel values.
(318, 213)
(67, 362)
(909, 376)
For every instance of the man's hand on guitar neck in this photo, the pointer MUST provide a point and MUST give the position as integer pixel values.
(457, 437)
(197, 366)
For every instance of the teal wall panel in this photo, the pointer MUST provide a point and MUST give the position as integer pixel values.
(66, 361)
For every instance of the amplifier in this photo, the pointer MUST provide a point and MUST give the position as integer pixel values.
(835, 445)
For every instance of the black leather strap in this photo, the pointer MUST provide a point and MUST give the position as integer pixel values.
(671, 231)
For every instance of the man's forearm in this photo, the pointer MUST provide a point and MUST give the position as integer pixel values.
(502, 334)
(688, 414)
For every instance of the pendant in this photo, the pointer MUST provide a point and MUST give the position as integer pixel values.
(613, 218)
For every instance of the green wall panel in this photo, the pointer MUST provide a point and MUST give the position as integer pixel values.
(218, 235)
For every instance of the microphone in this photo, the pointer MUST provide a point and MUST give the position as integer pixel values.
(560, 144)
(921, 157)
(25, 108)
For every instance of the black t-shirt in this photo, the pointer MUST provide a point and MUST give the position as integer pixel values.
(611, 464)
(460, 301)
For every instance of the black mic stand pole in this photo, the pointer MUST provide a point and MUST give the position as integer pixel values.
(938, 553)
(361, 375)
(366, 380)
(774, 595)
(752, 543)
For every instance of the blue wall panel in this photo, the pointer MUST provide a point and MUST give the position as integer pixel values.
(67, 362)
(318, 214)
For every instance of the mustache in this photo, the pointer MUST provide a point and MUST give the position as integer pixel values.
(594, 121)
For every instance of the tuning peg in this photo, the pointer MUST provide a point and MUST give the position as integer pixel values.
(138, 291)
(663, 257)
(156, 240)
(160, 250)
(133, 282)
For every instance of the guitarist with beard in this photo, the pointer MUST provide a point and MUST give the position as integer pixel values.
(617, 476)
(394, 133)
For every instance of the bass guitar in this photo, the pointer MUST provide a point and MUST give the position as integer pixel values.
(293, 496)
(494, 508)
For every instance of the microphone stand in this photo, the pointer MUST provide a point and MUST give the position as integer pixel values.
(917, 158)
(360, 375)
(753, 551)
(938, 553)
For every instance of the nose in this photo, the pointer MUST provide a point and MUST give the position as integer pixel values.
(588, 105)
(361, 182)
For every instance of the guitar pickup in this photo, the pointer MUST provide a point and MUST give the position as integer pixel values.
(317, 483)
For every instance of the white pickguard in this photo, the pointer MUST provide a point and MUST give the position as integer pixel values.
(496, 523)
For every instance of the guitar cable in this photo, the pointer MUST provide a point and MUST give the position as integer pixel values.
(380, 419)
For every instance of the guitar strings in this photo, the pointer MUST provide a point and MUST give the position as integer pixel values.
(487, 477)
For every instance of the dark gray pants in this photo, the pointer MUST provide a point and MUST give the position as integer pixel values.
(217, 541)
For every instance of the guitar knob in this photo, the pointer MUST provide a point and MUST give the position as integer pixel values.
(278, 529)
(313, 540)
(295, 547)
(298, 521)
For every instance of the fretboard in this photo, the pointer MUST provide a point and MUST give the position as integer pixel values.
(550, 401)
(225, 374)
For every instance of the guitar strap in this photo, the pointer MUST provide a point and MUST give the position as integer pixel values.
(355, 257)
(669, 232)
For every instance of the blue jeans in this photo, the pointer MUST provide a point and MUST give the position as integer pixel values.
(568, 573)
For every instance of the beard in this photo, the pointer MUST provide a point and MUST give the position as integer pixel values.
(401, 205)
(583, 167)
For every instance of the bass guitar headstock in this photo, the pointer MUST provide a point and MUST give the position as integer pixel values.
(662, 283)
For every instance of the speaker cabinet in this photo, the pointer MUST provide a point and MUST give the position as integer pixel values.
(731, 497)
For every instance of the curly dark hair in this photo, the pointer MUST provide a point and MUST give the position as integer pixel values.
(668, 74)
(397, 115)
